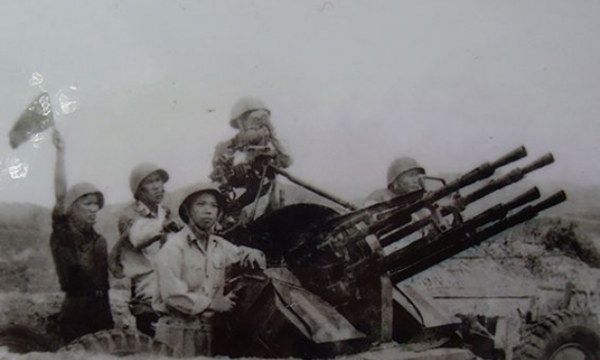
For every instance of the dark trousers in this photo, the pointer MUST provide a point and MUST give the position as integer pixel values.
(84, 315)
(144, 322)
(145, 316)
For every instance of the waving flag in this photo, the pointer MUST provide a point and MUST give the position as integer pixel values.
(35, 119)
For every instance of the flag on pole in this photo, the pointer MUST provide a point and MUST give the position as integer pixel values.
(35, 119)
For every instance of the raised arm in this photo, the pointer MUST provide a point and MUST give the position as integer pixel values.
(282, 158)
(60, 174)
(144, 232)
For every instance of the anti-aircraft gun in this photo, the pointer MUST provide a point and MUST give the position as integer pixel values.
(335, 282)
(335, 274)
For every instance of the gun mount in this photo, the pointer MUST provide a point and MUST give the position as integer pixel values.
(345, 260)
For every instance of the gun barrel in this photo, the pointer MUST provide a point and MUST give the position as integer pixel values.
(313, 188)
(526, 197)
(494, 185)
(531, 211)
(545, 160)
(484, 171)
(441, 253)
(422, 247)
(512, 156)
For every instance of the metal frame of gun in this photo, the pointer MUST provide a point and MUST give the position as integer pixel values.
(494, 213)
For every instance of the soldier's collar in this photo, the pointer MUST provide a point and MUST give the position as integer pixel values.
(145, 211)
(194, 236)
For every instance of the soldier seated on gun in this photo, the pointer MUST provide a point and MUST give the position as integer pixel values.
(79, 254)
(143, 226)
(241, 163)
(190, 271)
(403, 177)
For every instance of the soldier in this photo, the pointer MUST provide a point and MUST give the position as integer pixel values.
(403, 177)
(191, 274)
(80, 254)
(143, 226)
(242, 162)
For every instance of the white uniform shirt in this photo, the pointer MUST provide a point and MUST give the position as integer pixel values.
(189, 275)
(139, 225)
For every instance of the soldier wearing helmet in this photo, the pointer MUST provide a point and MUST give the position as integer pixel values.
(80, 254)
(143, 226)
(190, 271)
(403, 176)
(242, 162)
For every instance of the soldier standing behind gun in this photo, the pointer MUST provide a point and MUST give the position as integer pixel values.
(191, 274)
(142, 228)
(242, 162)
(80, 254)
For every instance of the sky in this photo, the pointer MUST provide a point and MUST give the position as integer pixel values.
(351, 85)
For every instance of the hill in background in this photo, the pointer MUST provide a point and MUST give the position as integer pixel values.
(25, 260)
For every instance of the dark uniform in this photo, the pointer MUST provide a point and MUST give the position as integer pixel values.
(80, 257)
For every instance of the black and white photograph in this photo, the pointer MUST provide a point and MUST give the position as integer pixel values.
(266, 179)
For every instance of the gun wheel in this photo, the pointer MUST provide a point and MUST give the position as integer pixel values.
(562, 335)
(118, 342)
(21, 340)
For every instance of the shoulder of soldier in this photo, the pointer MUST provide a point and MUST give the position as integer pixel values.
(175, 241)
(129, 213)
(61, 231)
(60, 220)
(59, 239)
(224, 143)
(380, 195)
(101, 241)
(167, 210)
(223, 146)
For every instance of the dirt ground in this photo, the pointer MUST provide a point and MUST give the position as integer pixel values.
(526, 267)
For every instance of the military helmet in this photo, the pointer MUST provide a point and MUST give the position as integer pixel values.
(81, 189)
(244, 105)
(141, 172)
(192, 191)
(401, 165)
